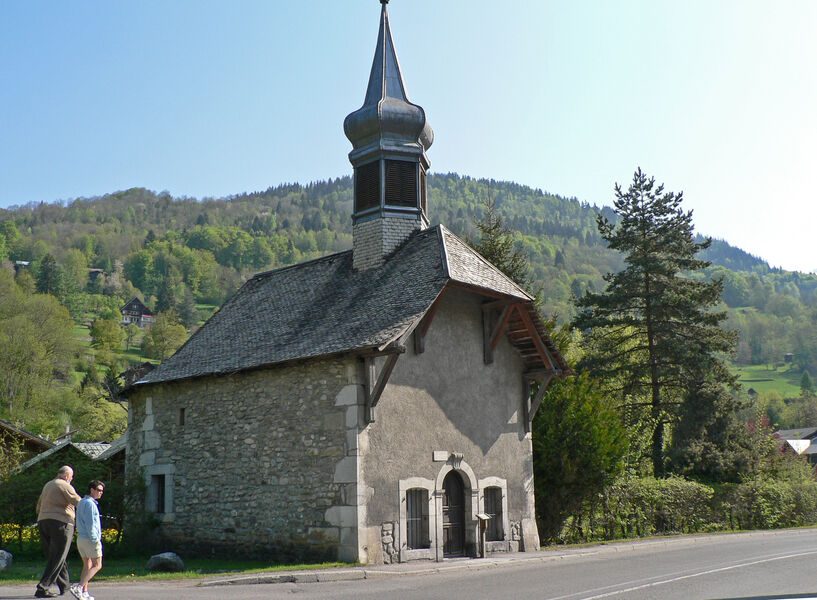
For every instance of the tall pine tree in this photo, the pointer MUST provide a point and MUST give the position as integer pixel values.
(654, 330)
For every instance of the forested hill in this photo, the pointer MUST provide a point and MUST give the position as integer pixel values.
(171, 248)
(290, 223)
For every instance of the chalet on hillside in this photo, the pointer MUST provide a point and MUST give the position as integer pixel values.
(136, 312)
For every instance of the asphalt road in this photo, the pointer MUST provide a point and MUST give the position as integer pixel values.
(769, 565)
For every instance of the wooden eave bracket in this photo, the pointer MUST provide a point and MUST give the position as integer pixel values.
(530, 406)
(422, 329)
(493, 332)
(537, 340)
(376, 382)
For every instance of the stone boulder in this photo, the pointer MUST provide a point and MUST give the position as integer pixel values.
(6, 559)
(166, 561)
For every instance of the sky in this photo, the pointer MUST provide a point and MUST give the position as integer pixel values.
(715, 98)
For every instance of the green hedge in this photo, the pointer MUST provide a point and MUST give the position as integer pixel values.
(638, 507)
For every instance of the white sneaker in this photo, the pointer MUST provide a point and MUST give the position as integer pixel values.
(87, 596)
(76, 591)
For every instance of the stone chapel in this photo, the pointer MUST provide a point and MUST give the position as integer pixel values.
(372, 405)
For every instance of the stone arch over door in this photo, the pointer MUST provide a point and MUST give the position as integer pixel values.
(471, 497)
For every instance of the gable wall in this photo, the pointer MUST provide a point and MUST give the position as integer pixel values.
(260, 465)
(446, 399)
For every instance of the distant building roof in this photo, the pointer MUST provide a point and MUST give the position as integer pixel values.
(803, 433)
(136, 306)
(325, 307)
(32, 440)
(89, 449)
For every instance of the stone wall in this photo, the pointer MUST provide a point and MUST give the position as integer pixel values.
(260, 463)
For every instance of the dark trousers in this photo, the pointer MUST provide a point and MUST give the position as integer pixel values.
(56, 539)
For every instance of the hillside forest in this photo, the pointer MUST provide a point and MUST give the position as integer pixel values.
(69, 267)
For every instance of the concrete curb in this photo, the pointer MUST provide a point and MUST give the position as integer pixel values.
(478, 564)
(364, 573)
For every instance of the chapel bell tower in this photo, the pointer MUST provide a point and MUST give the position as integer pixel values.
(390, 136)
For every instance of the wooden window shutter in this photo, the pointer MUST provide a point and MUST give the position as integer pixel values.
(401, 183)
(367, 186)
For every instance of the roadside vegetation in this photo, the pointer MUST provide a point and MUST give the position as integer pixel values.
(653, 433)
(688, 352)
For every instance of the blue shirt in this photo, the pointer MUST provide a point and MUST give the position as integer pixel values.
(88, 525)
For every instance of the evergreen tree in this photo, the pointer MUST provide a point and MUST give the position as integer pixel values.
(496, 243)
(578, 446)
(654, 329)
(806, 384)
(50, 277)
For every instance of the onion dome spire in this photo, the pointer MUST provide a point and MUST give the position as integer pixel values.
(387, 120)
(390, 136)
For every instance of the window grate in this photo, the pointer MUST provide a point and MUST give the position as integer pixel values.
(493, 508)
(417, 519)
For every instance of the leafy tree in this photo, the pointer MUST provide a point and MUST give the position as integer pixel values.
(107, 335)
(131, 333)
(578, 446)
(188, 315)
(75, 266)
(12, 454)
(654, 328)
(36, 351)
(26, 282)
(164, 337)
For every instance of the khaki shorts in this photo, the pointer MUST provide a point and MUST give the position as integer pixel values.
(89, 549)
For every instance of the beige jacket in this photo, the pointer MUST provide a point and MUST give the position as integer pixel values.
(57, 501)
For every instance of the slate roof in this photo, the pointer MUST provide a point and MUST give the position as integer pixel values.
(114, 448)
(90, 449)
(324, 307)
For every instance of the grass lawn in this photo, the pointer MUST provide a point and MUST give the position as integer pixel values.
(784, 380)
(28, 570)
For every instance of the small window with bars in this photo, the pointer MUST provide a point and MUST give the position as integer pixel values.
(493, 508)
(417, 519)
(158, 494)
(401, 183)
(367, 186)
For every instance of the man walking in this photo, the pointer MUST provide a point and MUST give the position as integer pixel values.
(55, 520)
(89, 538)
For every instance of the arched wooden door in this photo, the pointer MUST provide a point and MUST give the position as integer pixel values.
(453, 515)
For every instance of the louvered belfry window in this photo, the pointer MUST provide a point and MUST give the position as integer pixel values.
(423, 190)
(367, 186)
(401, 183)
(417, 519)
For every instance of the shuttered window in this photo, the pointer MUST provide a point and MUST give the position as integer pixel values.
(401, 183)
(493, 508)
(423, 190)
(417, 519)
(367, 186)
